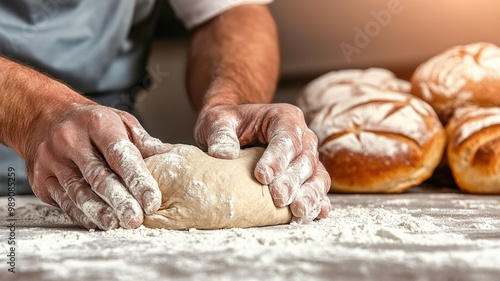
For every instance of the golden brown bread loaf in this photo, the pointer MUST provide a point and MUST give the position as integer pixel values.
(374, 137)
(474, 149)
(458, 77)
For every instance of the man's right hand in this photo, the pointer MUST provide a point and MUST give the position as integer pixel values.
(89, 161)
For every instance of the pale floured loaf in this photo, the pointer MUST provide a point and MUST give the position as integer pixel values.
(460, 76)
(474, 149)
(373, 137)
(317, 94)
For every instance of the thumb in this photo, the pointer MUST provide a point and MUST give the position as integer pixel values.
(215, 131)
(147, 145)
(223, 143)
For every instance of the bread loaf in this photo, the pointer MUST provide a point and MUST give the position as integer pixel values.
(374, 137)
(458, 77)
(474, 149)
(319, 92)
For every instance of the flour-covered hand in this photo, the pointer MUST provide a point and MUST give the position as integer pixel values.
(89, 162)
(290, 164)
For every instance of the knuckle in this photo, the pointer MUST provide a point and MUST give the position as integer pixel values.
(288, 110)
(311, 138)
(140, 135)
(99, 117)
(121, 151)
(63, 135)
(72, 183)
(324, 178)
(297, 112)
(95, 173)
(125, 115)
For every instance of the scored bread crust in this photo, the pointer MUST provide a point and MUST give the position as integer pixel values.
(460, 76)
(373, 137)
(317, 93)
(473, 150)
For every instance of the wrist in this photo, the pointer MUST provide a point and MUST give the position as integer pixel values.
(29, 101)
(222, 92)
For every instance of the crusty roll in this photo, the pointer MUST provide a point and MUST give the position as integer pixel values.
(460, 76)
(318, 93)
(474, 149)
(372, 138)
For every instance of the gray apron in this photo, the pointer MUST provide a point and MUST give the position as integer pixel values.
(100, 48)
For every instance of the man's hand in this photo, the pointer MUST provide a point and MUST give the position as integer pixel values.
(80, 156)
(289, 165)
(89, 162)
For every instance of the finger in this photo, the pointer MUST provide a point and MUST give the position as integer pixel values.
(85, 199)
(223, 141)
(325, 207)
(48, 178)
(147, 145)
(308, 202)
(306, 207)
(105, 183)
(285, 186)
(283, 147)
(62, 199)
(125, 159)
(91, 205)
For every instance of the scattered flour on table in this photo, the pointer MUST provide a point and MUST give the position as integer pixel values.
(387, 233)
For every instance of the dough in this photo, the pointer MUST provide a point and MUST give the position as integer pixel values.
(203, 192)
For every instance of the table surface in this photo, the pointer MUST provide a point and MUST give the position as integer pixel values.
(423, 234)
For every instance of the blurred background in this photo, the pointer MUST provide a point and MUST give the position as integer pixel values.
(320, 36)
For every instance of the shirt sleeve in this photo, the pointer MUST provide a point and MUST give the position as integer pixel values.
(196, 12)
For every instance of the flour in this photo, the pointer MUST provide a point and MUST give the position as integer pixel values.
(366, 144)
(224, 143)
(151, 143)
(490, 117)
(449, 80)
(336, 87)
(134, 175)
(360, 109)
(384, 235)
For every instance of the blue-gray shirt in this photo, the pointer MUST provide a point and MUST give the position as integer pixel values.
(94, 46)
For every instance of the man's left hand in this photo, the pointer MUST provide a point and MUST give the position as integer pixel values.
(290, 164)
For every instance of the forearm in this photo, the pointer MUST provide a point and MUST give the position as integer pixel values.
(28, 97)
(234, 59)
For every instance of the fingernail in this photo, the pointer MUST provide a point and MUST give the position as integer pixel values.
(109, 220)
(131, 219)
(151, 202)
(280, 196)
(224, 151)
(264, 174)
(87, 223)
(301, 207)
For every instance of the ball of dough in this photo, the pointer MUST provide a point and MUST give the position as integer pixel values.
(203, 192)
(372, 138)
(460, 76)
(474, 149)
